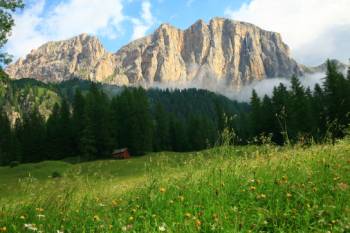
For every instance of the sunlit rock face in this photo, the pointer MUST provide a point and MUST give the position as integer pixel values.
(223, 51)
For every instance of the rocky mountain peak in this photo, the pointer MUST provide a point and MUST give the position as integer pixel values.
(223, 51)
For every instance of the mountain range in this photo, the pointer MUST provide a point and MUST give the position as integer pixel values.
(223, 52)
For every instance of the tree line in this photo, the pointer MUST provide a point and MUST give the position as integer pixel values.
(91, 124)
(299, 114)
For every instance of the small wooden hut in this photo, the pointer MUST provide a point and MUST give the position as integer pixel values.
(121, 154)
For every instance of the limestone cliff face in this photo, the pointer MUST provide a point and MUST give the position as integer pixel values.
(82, 56)
(224, 51)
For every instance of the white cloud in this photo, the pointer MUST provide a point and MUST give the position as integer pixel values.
(69, 18)
(142, 25)
(25, 35)
(93, 16)
(310, 27)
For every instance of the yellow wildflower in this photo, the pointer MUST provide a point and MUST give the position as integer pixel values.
(162, 190)
(114, 203)
(3, 229)
(39, 209)
(97, 218)
(252, 188)
(198, 223)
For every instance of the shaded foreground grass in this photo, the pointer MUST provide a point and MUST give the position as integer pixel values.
(228, 189)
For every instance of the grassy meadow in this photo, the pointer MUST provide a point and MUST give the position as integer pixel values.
(225, 189)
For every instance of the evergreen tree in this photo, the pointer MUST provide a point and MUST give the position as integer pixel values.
(78, 121)
(5, 140)
(31, 134)
(53, 134)
(267, 118)
(178, 135)
(255, 115)
(161, 132)
(335, 96)
(97, 110)
(65, 131)
(300, 110)
(280, 103)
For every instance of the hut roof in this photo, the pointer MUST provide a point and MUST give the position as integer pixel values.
(117, 151)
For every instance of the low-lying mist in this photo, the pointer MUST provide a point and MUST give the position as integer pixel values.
(263, 87)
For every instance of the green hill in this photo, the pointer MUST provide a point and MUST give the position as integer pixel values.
(227, 189)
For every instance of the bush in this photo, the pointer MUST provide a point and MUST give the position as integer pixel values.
(14, 164)
(56, 174)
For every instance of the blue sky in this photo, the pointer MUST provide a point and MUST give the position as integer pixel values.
(180, 13)
(314, 29)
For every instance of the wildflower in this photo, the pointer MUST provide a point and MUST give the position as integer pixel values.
(261, 196)
(39, 209)
(289, 195)
(22, 217)
(187, 215)
(114, 203)
(215, 217)
(131, 218)
(171, 202)
(127, 227)
(40, 216)
(31, 227)
(343, 186)
(162, 190)
(3, 229)
(58, 231)
(252, 188)
(181, 198)
(162, 227)
(198, 223)
(96, 218)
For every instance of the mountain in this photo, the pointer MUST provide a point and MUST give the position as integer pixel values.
(19, 97)
(224, 52)
(323, 67)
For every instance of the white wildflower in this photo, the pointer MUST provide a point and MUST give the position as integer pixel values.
(162, 227)
(40, 216)
(30, 227)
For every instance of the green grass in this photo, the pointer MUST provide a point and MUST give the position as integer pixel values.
(228, 189)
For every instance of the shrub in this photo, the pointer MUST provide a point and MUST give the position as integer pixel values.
(56, 174)
(14, 164)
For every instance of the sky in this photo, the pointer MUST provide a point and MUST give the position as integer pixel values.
(314, 29)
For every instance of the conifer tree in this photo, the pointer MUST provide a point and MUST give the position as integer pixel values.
(161, 132)
(53, 134)
(78, 121)
(255, 115)
(5, 140)
(335, 96)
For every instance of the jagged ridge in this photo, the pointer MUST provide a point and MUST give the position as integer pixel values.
(224, 51)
